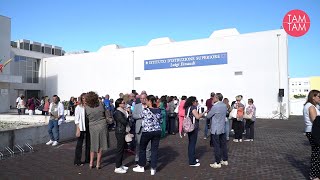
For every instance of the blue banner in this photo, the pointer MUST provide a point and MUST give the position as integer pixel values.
(186, 61)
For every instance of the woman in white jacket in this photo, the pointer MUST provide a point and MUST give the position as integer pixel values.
(81, 132)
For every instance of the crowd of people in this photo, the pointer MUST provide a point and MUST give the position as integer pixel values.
(141, 120)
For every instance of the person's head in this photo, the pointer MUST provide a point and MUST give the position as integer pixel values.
(212, 94)
(81, 99)
(55, 99)
(163, 99)
(111, 101)
(191, 101)
(92, 99)
(183, 97)
(106, 96)
(218, 97)
(132, 96)
(201, 100)
(226, 101)
(120, 103)
(143, 99)
(250, 101)
(170, 98)
(151, 101)
(314, 97)
(241, 97)
(121, 95)
(238, 98)
(143, 92)
(22, 96)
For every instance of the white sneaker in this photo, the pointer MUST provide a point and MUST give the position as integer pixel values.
(225, 163)
(215, 165)
(251, 139)
(195, 165)
(124, 167)
(235, 140)
(247, 140)
(153, 172)
(49, 142)
(197, 160)
(240, 140)
(120, 170)
(55, 143)
(138, 169)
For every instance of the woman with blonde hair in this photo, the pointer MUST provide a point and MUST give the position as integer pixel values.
(310, 112)
(238, 124)
(99, 134)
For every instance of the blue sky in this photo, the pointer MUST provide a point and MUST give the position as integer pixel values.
(88, 25)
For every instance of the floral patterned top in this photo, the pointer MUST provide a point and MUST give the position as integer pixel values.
(151, 120)
(251, 109)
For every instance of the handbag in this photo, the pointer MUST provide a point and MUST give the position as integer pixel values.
(109, 117)
(233, 114)
(247, 116)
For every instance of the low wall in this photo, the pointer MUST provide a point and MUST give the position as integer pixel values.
(35, 134)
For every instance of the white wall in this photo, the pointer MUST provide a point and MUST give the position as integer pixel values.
(110, 70)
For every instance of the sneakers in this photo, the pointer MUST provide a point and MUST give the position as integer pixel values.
(197, 160)
(225, 163)
(138, 169)
(55, 143)
(240, 140)
(120, 170)
(215, 165)
(49, 142)
(235, 140)
(153, 172)
(248, 140)
(195, 165)
(124, 167)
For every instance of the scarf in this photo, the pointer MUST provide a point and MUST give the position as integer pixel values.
(123, 111)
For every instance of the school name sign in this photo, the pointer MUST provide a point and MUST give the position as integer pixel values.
(186, 61)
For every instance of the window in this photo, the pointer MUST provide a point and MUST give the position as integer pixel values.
(238, 73)
(306, 90)
(292, 84)
(299, 83)
(28, 68)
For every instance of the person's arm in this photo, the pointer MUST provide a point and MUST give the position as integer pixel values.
(211, 113)
(312, 113)
(196, 114)
(60, 111)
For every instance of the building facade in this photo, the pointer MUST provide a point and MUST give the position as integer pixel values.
(254, 65)
(23, 74)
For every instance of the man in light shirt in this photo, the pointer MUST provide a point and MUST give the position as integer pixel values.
(56, 111)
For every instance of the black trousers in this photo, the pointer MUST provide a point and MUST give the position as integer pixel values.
(238, 129)
(78, 153)
(120, 148)
(172, 123)
(249, 129)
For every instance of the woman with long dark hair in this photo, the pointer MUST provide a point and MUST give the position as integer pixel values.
(190, 107)
(163, 107)
(151, 131)
(121, 119)
(310, 112)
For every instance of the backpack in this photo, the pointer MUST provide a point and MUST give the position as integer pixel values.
(188, 124)
(315, 133)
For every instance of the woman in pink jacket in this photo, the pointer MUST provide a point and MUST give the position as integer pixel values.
(181, 113)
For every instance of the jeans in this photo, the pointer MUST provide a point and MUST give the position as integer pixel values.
(78, 152)
(227, 128)
(148, 150)
(120, 149)
(154, 137)
(206, 127)
(249, 129)
(53, 130)
(220, 147)
(193, 136)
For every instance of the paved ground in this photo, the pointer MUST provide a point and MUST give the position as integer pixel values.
(280, 151)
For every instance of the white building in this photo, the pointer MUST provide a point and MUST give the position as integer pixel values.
(254, 65)
(23, 74)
